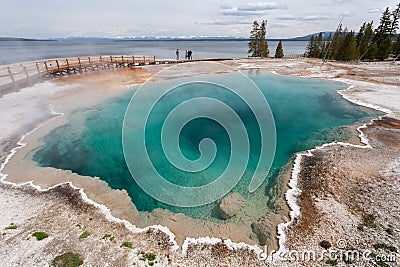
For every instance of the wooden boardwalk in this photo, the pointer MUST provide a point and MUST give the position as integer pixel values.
(19, 75)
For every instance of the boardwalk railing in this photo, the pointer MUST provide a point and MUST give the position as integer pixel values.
(18, 75)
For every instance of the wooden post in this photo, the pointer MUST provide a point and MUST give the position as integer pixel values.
(112, 65)
(91, 66)
(58, 68)
(27, 75)
(37, 68)
(101, 62)
(12, 77)
(154, 59)
(80, 64)
(122, 60)
(133, 59)
(144, 60)
(47, 69)
(68, 69)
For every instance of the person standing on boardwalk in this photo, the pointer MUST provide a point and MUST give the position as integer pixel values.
(177, 54)
(189, 55)
(186, 55)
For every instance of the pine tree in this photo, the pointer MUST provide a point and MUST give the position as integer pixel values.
(348, 50)
(366, 42)
(383, 35)
(327, 47)
(372, 52)
(310, 47)
(279, 50)
(336, 43)
(254, 40)
(396, 48)
(263, 45)
(395, 20)
(318, 46)
(384, 47)
(361, 34)
(385, 24)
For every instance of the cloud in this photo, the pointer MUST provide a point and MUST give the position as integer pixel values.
(340, 2)
(280, 25)
(230, 22)
(261, 6)
(374, 10)
(240, 13)
(250, 9)
(306, 17)
(347, 14)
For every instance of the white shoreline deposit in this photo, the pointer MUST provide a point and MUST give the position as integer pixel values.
(369, 93)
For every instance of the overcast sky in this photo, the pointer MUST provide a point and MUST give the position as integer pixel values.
(127, 18)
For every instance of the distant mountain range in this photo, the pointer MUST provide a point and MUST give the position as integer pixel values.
(22, 39)
(184, 38)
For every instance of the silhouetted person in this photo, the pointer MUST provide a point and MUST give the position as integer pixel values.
(177, 54)
(186, 55)
(190, 55)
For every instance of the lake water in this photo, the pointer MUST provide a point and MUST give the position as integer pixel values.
(13, 51)
(307, 113)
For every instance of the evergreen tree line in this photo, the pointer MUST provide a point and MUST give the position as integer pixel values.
(258, 45)
(367, 44)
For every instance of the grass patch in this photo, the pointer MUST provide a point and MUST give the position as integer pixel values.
(360, 228)
(150, 257)
(126, 244)
(385, 246)
(67, 260)
(347, 260)
(84, 235)
(11, 227)
(369, 220)
(40, 235)
(108, 237)
(382, 263)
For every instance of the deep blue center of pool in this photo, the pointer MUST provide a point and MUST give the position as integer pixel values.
(307, 112)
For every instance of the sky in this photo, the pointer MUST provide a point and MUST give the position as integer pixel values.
(177, 18)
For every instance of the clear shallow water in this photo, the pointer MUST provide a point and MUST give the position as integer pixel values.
(19, 51)
(307, 113)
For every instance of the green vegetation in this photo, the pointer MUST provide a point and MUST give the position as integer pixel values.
(67, 260)
(150, 257)
(84, 235)
(382, 263)
(107, 237)
(126, 244)
(369, 220)
(360, 228)
(385, 246)
(372, 255)
(11, 227)
(40, 235)
(347, 260)
(258, 45)
(332, 262)
(279, 50)
(368, 44)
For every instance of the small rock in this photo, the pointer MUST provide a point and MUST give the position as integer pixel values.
(325, 244)
(390, 230)
(231, 205)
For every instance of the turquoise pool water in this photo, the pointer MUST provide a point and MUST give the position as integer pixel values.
(307, 113)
